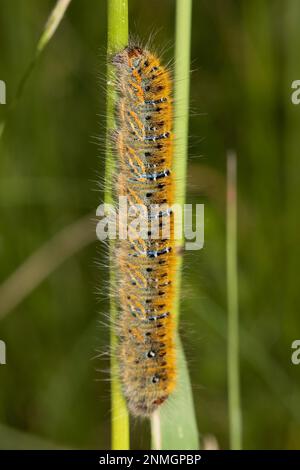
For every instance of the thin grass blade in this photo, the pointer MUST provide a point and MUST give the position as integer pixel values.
(235, 419)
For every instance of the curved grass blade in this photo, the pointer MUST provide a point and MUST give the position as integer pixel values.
(43, 261)
(50, 27)
(174, 427)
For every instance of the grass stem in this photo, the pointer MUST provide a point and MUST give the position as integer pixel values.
(116, 40)
(235, 420)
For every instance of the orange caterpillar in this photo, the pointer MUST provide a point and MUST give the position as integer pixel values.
(145, 266)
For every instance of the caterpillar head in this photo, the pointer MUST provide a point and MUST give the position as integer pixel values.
(129, 54)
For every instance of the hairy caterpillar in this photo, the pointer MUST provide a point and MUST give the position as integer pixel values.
(145, 266)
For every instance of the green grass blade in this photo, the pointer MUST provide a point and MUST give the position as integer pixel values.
(14, 439)
(117, 39)
(50, 27)
(235, 419)
(43, 261)
(174, 425)
(182, 93)
(181, 119)
(52, 24)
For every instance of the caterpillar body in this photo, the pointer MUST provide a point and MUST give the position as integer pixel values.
(145, 267)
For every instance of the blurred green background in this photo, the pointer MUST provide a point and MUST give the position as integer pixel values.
(245, 55)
